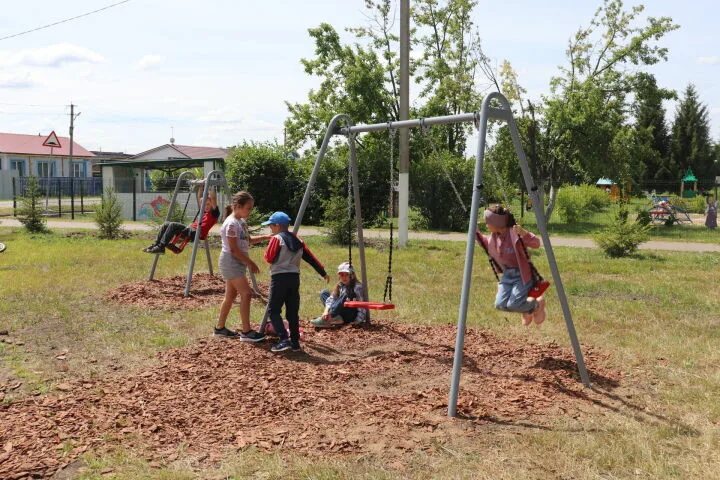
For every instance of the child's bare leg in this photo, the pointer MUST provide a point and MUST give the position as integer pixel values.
(243, 288)
(230, 294)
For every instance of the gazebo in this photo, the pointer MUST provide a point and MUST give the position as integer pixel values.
(689, 178)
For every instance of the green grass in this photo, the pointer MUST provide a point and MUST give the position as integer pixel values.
(655, 316)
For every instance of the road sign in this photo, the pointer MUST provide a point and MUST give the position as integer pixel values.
(52, 141)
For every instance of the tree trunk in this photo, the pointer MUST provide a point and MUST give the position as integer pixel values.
(551, 203)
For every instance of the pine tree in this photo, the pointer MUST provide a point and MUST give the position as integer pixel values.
(30, 213)
(650, 123)
(108, 215)
(690, 145)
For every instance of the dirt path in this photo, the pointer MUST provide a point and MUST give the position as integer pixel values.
(557, 241)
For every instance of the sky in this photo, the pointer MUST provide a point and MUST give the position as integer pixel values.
(218, 72)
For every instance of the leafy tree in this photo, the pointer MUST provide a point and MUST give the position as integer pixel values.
(691, 145)
(108, 215)
(575, 133)
(30, 214)
(268, 172)
(651, 128)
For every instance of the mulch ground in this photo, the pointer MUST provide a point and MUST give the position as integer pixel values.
(168, 293)
(379, 389)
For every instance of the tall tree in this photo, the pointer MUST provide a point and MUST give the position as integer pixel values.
(650, 123)
(691, 145)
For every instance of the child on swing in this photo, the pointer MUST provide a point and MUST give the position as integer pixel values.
(505, 246)
(168, 230)
(336, 313)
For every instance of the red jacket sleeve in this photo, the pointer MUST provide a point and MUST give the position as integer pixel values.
(272, 250)
(310, 258)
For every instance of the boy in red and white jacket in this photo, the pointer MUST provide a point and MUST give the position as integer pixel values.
(284, 253)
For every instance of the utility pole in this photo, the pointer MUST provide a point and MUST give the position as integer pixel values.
(404, 133)
(71, 173)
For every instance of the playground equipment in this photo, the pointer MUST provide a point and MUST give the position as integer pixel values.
(664, 212)
(495, 106)
(216, 180)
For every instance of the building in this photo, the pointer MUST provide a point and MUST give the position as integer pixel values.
(25, 155)
(102, 157)
(130, 178)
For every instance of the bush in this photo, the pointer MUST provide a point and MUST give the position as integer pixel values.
(577, 201)
(340, 228)
(622, 238)
(108, 215)
(416, 219)
(30, 214)
(643, 217)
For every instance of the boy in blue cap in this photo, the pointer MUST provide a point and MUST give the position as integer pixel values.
(284, 253)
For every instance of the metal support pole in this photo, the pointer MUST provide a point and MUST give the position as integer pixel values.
(539, 209)
(217, 174)
(14, 197)
(358, 216)
(469, 256)
(59, 188)
(404, 134)
(72, 198)
(331, 130)
(82, 204)
(134, 196)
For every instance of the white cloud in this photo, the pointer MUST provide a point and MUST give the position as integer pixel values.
(51, 56)
(713, 60)
(17, 80)
(149, 61)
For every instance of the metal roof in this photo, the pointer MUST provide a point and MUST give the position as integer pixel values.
(33, 145)
(163, 163)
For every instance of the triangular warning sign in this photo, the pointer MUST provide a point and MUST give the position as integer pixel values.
(52, 141)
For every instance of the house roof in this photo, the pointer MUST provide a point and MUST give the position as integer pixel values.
(108, 156)
(604, 181)
(33, 145)
(689, 176)
(186, 151)
(161, 163)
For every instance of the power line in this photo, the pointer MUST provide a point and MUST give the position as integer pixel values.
(64, 21)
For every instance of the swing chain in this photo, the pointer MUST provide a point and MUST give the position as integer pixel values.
(351, 138)
(387, 295)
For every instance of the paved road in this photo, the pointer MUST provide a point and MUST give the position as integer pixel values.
(453, 237)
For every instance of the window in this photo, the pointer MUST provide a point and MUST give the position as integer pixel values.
(45, 168)
(77, 169)
(18, 165)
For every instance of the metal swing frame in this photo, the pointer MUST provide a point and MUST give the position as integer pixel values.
(488, 112)
(216, 178)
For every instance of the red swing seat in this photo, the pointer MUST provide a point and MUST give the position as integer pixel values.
(179, 242)
(369, 305)
(539, 288)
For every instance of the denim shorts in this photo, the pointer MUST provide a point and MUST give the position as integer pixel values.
(231, 267)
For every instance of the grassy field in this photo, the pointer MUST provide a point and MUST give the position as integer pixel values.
(655, 316)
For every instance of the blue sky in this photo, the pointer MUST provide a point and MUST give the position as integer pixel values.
(219, 71)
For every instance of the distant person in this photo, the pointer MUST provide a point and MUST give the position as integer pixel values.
(168, 230)
(711, 212)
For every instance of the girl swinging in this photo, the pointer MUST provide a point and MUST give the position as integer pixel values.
(506, 247)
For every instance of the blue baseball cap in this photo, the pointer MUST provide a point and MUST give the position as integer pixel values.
(277, 218)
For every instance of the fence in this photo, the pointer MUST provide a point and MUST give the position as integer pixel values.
(62, 195)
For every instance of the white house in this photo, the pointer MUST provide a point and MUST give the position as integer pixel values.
(25, 155)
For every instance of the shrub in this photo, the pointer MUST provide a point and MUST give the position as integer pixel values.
(643, 217)
(340, 228)
(622, 238)
(108, 215)
(576, 201)
(416, 219)
(30, 214)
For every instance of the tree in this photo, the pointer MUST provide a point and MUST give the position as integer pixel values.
(650, 124)
(571, 135)
(108, 215)
(29, 213)
(691, 146)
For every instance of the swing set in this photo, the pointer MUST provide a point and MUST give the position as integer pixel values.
(494, 107)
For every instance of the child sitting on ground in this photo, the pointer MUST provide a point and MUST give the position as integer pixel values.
(284, 253)
(505, 246)
(336, 313)
(168, 230)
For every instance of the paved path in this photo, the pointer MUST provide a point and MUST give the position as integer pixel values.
(452, 237)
